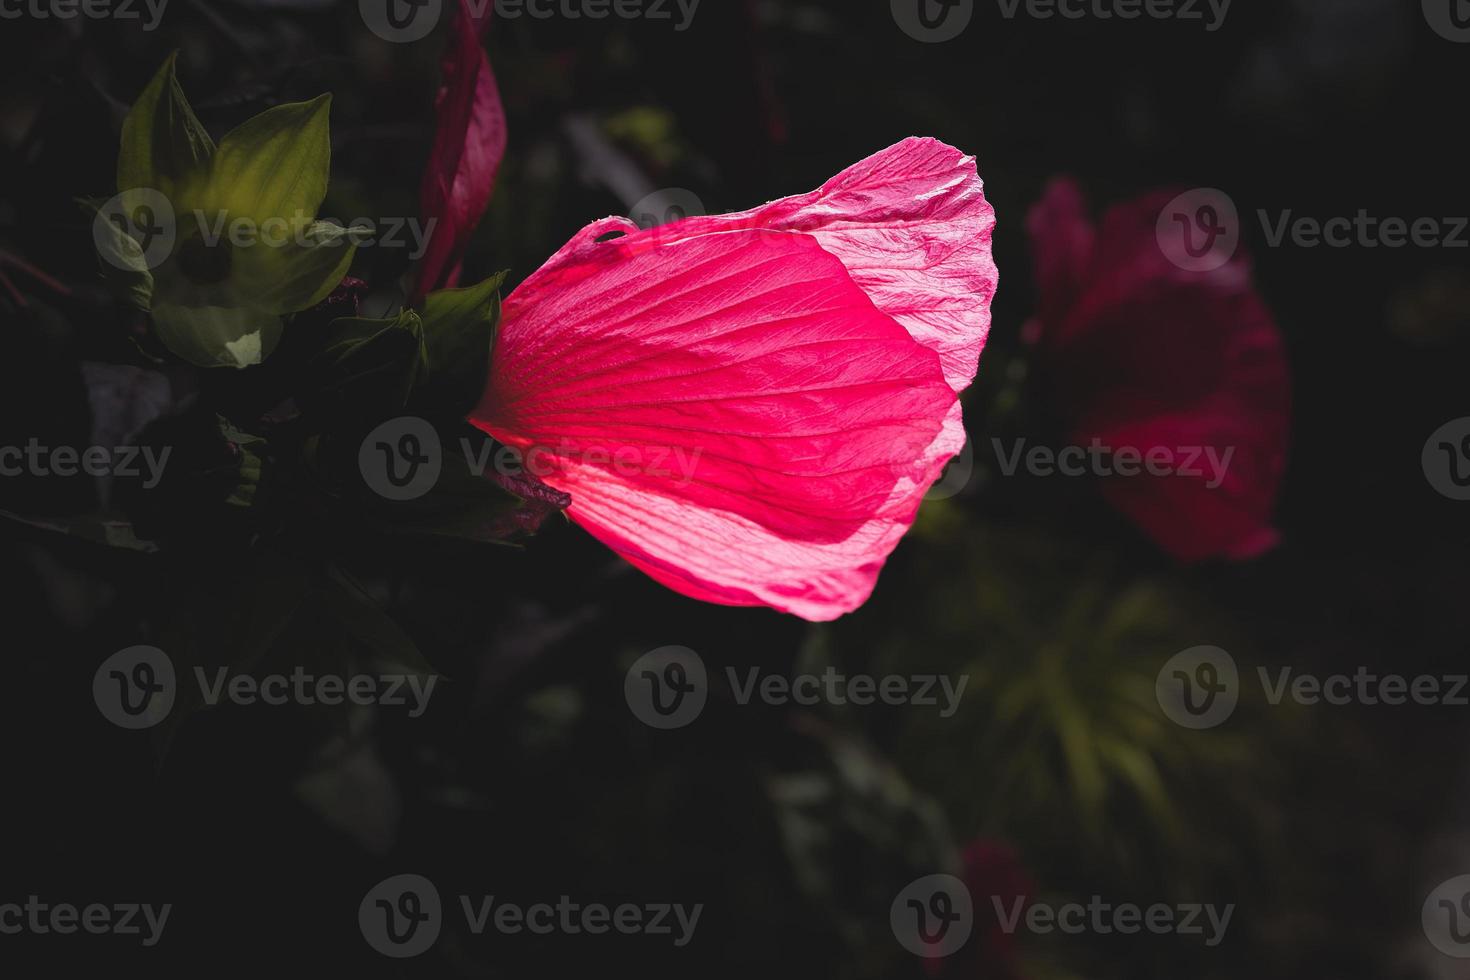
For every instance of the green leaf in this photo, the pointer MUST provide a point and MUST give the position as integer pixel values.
(391, 647)
(274, 165)
(245, 486)
(100, 529)
(163, 142)
(217, 336)
(365, 367)
(124, 266)
(294, 275)
(459, 332)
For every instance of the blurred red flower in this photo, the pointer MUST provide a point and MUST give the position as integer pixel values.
(1143, 355)
(999, 888)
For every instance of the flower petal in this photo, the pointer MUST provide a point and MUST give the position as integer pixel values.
(730, 412)
(469, 142)
(913, 228)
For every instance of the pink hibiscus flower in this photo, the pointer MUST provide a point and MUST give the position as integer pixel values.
(750, 407)
(1143, 355)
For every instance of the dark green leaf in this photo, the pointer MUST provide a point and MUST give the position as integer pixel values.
(365, 368)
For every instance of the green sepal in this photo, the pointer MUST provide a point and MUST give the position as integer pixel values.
(217, 336)
(297, 274)
(459, 332)
(275, 164)
(163, 143)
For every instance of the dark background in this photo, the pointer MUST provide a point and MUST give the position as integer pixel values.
(529, 778)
